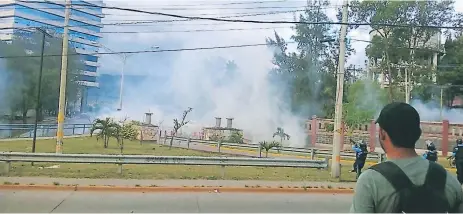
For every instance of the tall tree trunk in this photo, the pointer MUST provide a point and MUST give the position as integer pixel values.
(172, 139)
(266, 153)
(106, 142)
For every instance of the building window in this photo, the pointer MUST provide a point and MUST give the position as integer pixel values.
(85, 15)
(90, 68)
(96, 9)
(90, 58)
(88, 78)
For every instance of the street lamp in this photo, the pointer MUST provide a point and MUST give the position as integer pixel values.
(124, 57)
(39, 88)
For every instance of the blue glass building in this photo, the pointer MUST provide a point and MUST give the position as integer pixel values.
(84, 32)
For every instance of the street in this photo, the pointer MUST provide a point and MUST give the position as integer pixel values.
(124, 202)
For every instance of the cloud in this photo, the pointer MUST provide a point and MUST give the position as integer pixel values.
(174, 81)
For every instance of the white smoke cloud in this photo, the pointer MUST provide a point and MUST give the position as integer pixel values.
(175, 81)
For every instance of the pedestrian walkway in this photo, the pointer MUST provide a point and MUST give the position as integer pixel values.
(171, 183)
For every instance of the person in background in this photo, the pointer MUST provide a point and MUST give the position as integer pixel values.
(431, 154)
(458, 155)
(361, 153)
(405, 183)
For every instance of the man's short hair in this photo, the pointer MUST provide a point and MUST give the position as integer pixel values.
(402, 123)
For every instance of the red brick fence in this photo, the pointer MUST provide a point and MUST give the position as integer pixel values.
(443, 134)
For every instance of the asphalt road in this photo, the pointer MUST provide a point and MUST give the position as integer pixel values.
(124, 202)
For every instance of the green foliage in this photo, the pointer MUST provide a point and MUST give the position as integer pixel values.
(23, 74)
(403, 45)
(267, 145)
(236, 137)
(309, 73)
(129, 132)
(450, 69)
(364, 100)
(329, 127)
(106, 128)
(216, 137)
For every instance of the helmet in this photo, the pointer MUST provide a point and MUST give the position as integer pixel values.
(459, 141)
(362, 144)
(430, 145)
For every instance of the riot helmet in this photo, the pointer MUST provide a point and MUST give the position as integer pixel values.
(430, 145)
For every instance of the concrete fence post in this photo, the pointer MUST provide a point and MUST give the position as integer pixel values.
(188, 142)
(260, 151)
(313, 130)
(372, 136)
(445, 137)
(312, 153)
(219, 144)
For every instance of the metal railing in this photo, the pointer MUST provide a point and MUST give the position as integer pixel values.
(8, 157)
(43, 130)
(373, 156)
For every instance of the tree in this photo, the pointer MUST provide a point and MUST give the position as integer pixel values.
(267, 145)
(400, 49)
(451, 67)
(236, 137)
(309, 74)
(106, 128)
(178, 125)
(283, 136)
(364, 99)
(23, 73)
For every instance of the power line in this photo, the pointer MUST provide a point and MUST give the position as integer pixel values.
(149, 51)
(178, 31)
(256, 21)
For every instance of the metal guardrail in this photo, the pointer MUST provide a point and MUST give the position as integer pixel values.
(373, 156)
(43, 130)
(9, 157)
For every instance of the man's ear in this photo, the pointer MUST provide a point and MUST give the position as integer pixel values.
(382, 134)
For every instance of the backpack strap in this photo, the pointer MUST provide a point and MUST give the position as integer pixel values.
(398, 179)
(436, 177)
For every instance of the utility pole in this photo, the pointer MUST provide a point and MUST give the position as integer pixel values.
(336, 157)
(121, 90)
(39, 89)
(62, 87)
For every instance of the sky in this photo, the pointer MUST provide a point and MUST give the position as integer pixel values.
(177, 80)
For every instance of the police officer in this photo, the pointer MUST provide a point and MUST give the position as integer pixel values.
(458, 155)
(431, 154)
(360, 156)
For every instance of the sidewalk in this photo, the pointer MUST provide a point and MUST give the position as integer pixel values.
(171, 183)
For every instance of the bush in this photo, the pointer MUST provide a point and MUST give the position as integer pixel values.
(129, 131)
(236, 137)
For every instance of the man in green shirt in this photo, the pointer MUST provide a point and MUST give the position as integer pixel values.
(388, 187)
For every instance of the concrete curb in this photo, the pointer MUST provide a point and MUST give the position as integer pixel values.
(308, 189)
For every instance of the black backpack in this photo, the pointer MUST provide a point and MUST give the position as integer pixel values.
(432, 156)
(427, 198)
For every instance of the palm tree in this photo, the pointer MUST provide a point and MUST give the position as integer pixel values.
(268, 145)
(281, 133)
(107, 128)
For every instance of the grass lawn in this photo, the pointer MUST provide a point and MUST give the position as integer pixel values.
(90, 145)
